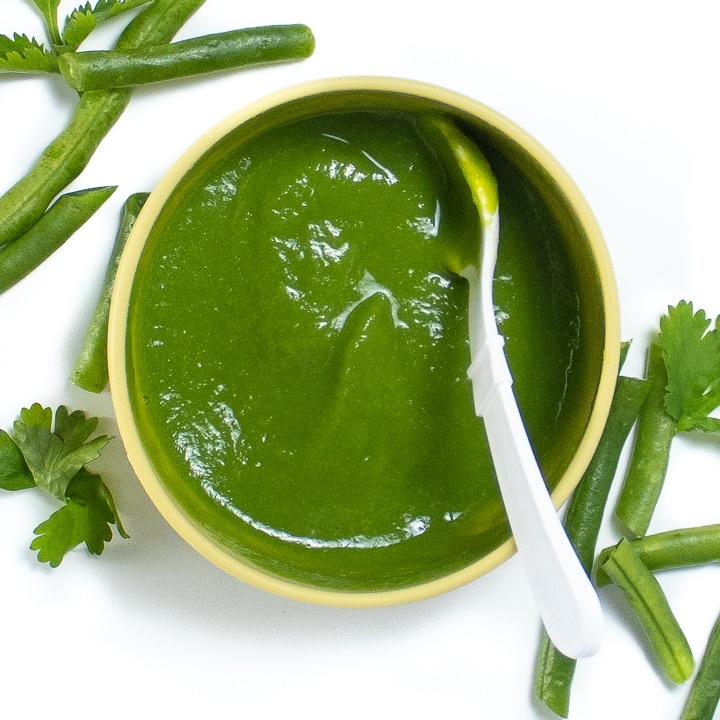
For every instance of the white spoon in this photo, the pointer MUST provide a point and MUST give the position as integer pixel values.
(568, 603)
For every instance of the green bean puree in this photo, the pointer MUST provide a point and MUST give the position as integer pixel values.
(297, 350)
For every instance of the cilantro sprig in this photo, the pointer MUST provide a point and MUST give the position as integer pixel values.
(53, 458)
(23, 54)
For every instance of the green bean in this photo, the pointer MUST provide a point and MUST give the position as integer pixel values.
(23, 205)
(96, 113)
(66, 215)
(91, 370)
(586, 507)
(157, 23)
(672, 549)
(103, 69)
(704, 696)
(649, 459)
(647, 599)
(553, 671)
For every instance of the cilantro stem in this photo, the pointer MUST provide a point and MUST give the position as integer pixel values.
(96, 113)
(49, 11)
(704, 695)
(672, 549)
(103, 69)
(66, 215)
(91, 371)
(648, 601)
(649, 460)
(553, 671)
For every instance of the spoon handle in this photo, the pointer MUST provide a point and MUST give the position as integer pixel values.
(568, 603)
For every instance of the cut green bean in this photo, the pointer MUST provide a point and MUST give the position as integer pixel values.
(685, 547)
(586, 507)
(553, 671)
(96, 113)
(647, 599)
(704, 696)
(65, 217)
(91, 369)
(649, 459)
(109, 69)
(24, 204)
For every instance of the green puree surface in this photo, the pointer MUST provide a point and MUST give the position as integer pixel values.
(297, 351)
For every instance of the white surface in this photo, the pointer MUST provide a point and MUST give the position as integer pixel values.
(625, 95)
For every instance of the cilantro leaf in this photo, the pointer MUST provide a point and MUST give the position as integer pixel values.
(74, 428)
(22, 54)
(54, 458)
(85, 18)
(78, 25)
(692, 356)
(60, 533)
(86, 517)
(14, 472)
(89, 489)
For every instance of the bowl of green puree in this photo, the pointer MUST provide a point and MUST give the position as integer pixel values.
(288, 351)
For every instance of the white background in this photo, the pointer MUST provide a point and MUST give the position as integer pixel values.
(624, 94)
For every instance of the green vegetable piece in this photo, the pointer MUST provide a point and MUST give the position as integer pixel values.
(86, 517)
(59, 223)
(553, 671)
(587, 504)
(81, 21)
(554, 674)
(684, 369)
(692, 357)
(649, 459)
(103, 70)
(704, 696)
(14, 472)
(96, 113)
(672, 549)
(65, 529)
(49, 10)
(647, 599)
(21, 54)
(87, 487)
(91, 371)
(55, 456)
(54, 459)
(157, 23)
(24, 204)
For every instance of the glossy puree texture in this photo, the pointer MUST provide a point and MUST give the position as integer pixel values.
(297, 351)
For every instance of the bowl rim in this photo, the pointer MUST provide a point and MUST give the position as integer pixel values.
(139, 459)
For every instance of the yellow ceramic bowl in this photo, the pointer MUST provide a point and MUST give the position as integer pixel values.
(586, 253)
